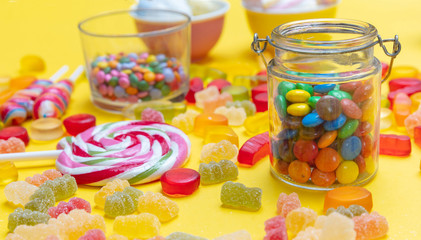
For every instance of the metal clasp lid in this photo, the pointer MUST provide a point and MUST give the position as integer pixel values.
(256, 47)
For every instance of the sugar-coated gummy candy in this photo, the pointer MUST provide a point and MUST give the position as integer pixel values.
(238, 196)
(248, 106)
(299, 219)
(19, 192)
(63, 187)
(218, 151)
(413, 121)
(117, 237)
(183, 236)
(26, 217)
(12, 145)
(207, 93)
(41, 200)
(119, 204)
(185, 121)
(66, 207)
(93, 234)
(370, 226)
(236, 116)
(216, 172)
(238, 235)
(40, 231)
(134, 193)
(144, 225)
(254, 149)
(275, 229)
(357, 210)
(159, 205)
(108, 190)
(287, 203)
(310, 233)
(150, 114)
(39, 179)
(336, 226)
(75, 224)
(341, 210)
(180, 182)
(209, 105)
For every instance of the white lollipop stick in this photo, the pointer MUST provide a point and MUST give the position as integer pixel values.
(30, 156)
(76, 74)
(59, 73)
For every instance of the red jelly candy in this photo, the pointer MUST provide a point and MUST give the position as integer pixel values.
(276, 229)
(262, 88)
(261, 102)
(180, 182)
(395, 145)
(15, 131)
(196, 85)
(385, 68)
(407, 90)
(219, 83)
(399, 83)
(306, 150)
(417, 135)
(254, 149)
(78, 123)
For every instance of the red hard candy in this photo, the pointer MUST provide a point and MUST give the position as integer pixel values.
(78, 123)
(219, 83)
(261, 102)
(15, 131)
(262, 88)
(180, 182)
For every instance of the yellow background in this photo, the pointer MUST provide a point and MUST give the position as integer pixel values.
(48, 28)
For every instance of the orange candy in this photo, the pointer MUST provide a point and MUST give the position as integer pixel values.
(208, 119)
(322, 179)
(327, 160)
(327, 139)
(346, 196)
(149, 76)
(131, 90)
(299, 171)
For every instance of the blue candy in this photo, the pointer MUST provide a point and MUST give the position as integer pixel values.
(324, 88)
(168, 74)
(161, 57)
(287, 134)
(351, 148)
(132, 55)
(312, 119)
(119, 92)
(335, 124)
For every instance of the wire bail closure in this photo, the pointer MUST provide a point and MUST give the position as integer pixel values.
(257, 48)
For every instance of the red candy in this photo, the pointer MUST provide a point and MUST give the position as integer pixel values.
(254, 149)
(261, 102)
(407, 90)
(196, 85)
(417, 136)
(180, 182)
(78, 123)
(15, 131)
(93, 234)
(276, 229)
(66, 207)
(395, 145)
(262, 88)
(385, 68)
(219, 83)
(399, 83)
(306, 150)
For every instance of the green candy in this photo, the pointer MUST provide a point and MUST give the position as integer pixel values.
(216, 172)
(94, 64)
(26, 217)
(337, 87)
(62, 187)
(133, 78)
(247, 105)
(340, 94)
(313, 100)
(348, 129)
(165, 90)
(154, 64)
(113, 81)
(41, 200)
(236, 195)
(281, 106)
(119, 204)
(306, 87)
(134, 193)
(141, 86)
(285, 87)
(159, 85)
(107, 70)
(124, 60)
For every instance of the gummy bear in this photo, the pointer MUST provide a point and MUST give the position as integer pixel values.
(237, 195)
(236, 116)
(287, 203)
(38, 232)
(66, 207)
(370, 226)
(150, 114)
(108, 190)
(357, 210)
(247, 105)
(159, 205)
(63, 187)
(275, 229)
(26, 217)
(39, 179)
(209, 105)
(218, 151)
(183, 236)
(412, 121)
(41, 200)
(214, 172)
(341, 210)
(336, 226)
(134, 193)
(12, 145)
(207, 93)
(93, 234)
(75, 224)
(19, 192)
(185, 121)
(309, 233)
(144, 225)
(299, 219)
(119, 204)
(238, 235)
(254, 149)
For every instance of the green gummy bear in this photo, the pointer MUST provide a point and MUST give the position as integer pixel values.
(183, 236)
(134, 193)
(63, 187)
(26, 217)
(214, 172)
(247, 105)
(41, 200)
(236, 195)
(119, 204)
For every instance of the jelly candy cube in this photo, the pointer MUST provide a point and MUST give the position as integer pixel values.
(144, 225)
(239, 235)
(180, 182)
(275, 229)
(218, 151)
(93, 234)
(8, 172)
(26, 217)
(108, 190)
(155, 203)
(395, 145)
(370, 226)
(254, 149)
(238, 93)
(236, 195)
(299, 219)
(216, 172)
(287, 203)
(214, 134)
(347, 196)
(19, 192)
(208, 119)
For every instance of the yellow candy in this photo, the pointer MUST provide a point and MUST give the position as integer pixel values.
(298, 109)
(158, 205)
(219, 151)
(108, 190)
(8, 172)
(403, 72)
(347, 172)
(297, 96)
(416, 100)
(32, 63)
(151, 58)
(215, 134)
(127, 71)
(370, 165)
(144, 225)
(386, 118)
(258, 123)
(102, 65)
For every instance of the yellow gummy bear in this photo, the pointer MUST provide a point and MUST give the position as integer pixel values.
(219, 151)
(159, 205)
(108, 190)
(37, 232)
(144, 225)
(299, 219)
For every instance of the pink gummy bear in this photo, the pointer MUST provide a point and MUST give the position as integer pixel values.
(412, 121)
(152, 115)
(66, 207)
(370, 226)
(287, 203)
(12, 145)
(276, 229)
(93, 234)
(209, 105)
(39, 179)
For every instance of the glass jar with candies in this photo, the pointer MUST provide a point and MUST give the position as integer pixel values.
(136, 55)
(324, 101)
